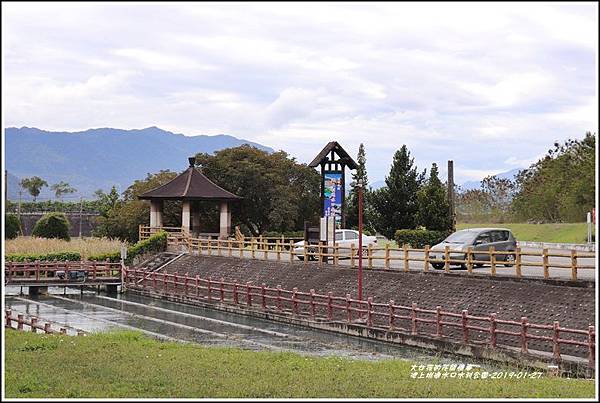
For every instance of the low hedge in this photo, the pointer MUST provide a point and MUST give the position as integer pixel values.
(419, 238)
(286, 234)
(32, 257)
(156, 243)
(52, 225)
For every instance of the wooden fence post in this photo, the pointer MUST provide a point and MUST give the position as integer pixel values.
(555, 343)
(518, 262)
(265, 246)
(405, 250)
(465, 326)
(446, 259)
(413, 318)
(470, 260)
(336, 251)
(493, 336)
(426, 259)
(352, 255)
(242, 245)
(370, 253)
(229, 248)
(573, 265)
(492, 252)
(305, 253)
(387, 256)
(278, 248)
(438, 321)
(252, 242)
(291, 251)
(545, 263)
(524, 325)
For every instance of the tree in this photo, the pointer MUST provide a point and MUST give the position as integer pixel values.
(434, 208)
(561, 185)
(278, 193)
(12, 226)
(107, 201)
(352, 202)
(473, 205)
(396, 204)
(62, 188)
(33, 185)
(123, 219)
(500, 192)
(52, 225)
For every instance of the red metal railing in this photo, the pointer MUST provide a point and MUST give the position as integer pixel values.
(458, 327)
(44, 270)
(33, 324)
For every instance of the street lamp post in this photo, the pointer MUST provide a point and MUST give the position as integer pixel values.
(359, 185)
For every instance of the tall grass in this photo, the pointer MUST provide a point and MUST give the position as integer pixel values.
(85, 246)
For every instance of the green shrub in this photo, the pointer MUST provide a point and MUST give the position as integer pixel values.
(418, 238)
(12, 226)
(156, 243)
(286, 234)
(32, 257)
(52, 225)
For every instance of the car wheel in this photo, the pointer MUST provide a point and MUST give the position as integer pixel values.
(438, 266)
(510, 260)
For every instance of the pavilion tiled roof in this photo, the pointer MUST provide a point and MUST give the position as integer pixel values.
(189, 185)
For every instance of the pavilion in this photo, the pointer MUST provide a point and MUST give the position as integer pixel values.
(191, 186)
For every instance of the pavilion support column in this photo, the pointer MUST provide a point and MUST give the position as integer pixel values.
(225, 221)
(186, 215)
(196, 218)
(156, 209)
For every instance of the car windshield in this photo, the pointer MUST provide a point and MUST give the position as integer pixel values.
(461, 237)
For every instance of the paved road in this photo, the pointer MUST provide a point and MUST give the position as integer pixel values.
(397, 263)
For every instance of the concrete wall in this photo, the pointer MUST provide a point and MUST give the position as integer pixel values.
(510, 299)
(88, 223)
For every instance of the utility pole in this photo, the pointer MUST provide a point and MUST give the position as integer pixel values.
(19, 210)
(451, 193)
(80, 214)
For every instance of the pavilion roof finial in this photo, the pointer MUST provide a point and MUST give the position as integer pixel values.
(192, 161)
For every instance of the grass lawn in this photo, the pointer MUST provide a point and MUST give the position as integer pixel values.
(560, 233)
(126, 364)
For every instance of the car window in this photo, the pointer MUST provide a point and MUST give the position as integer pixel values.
(499, 236)
(463, 236)
(351, 235)
(338, 236)
(484, 238)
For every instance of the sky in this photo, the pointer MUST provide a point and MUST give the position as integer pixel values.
(489, 85)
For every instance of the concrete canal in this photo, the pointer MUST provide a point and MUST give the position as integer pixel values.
(93, 312)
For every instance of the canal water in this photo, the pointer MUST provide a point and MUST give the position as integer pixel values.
(97, 312)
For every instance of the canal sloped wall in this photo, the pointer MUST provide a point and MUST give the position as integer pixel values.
(541, 303)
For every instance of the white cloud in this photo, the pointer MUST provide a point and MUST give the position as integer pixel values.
(487, 85)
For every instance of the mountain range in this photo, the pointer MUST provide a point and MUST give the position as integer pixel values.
(100, 158)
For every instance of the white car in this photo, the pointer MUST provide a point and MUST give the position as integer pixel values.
(344, 238)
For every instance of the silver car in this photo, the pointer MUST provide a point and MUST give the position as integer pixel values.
(480, 239)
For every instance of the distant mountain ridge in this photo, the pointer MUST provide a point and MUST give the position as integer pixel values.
(100, 158)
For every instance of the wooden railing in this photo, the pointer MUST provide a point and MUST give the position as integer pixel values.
(460, 327)
(34, 324)
(47, 271)
(389, 257)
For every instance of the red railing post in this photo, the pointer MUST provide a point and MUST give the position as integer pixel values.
(392, 317)
(329, 306)
(279, 307)
(154, 280)
(312, 303)
(493, 338)
(438, 321)
(370, 311)
(20, 322)
(295, 301)
(413, 318)
(175, 283)
(47, 328)
(94, 270)
(465, 326)
(37, 270)
(555, 341)
(209, 290)
(348, 311)
(524, 325)
(591, 347)
(263, 297)
(235, 293)
(33, 325)
(221, 290)
(248, 295)
(7, 314)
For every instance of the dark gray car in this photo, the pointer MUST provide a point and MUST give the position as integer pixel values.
(480, 239)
